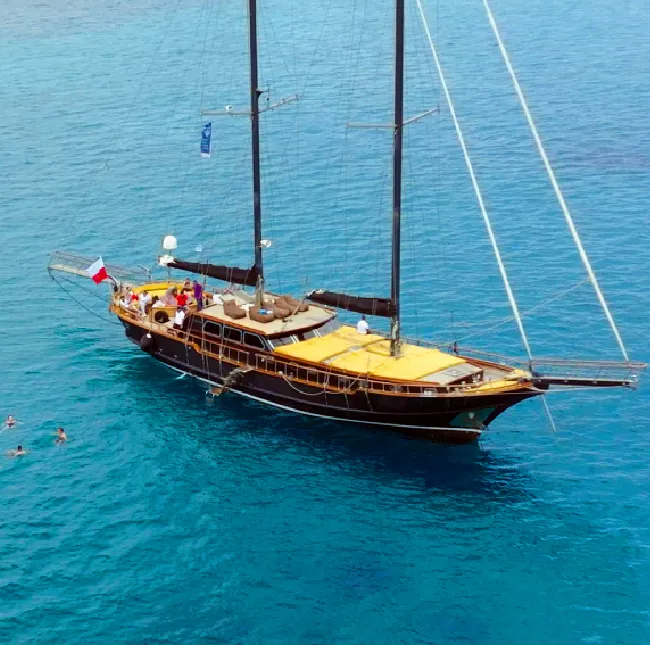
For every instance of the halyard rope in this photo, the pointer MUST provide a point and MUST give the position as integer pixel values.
(90, 311)
(551, 176)
(477, 190)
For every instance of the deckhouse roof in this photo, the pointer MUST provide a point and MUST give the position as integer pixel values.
(314, 317)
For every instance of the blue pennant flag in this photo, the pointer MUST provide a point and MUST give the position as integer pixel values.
(205, 139)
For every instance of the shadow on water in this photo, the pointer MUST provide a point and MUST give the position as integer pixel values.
(365, 449)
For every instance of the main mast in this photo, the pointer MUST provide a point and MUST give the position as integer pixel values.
(255, 147)
(397, 175)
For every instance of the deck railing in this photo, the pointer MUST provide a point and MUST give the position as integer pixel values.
(329, 381)
(544, 370)
(74, 264)
(555, 369)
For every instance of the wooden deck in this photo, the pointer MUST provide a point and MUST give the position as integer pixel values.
(299, 321)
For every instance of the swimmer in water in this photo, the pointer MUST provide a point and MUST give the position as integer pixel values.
(10, 422)
(19, 452)
(61, 436)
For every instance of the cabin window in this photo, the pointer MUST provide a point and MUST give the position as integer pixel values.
(212, 328)
(253, 340)
(285, 340)
(231, 334)
(329, 327)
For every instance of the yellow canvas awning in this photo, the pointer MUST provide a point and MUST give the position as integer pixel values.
(348, 350)
(319, 349)
(413, 363)
(157, 288)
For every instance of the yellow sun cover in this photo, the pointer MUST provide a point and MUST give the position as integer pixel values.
(319, 349)
(348, 350)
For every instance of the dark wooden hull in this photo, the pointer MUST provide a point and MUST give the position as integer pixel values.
(448, 419)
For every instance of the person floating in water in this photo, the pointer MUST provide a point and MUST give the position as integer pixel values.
(10, 422)
(61, 436)
(19, 452)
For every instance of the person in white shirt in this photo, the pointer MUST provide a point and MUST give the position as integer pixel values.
(179, 318)
(362, 326)
(145, 299)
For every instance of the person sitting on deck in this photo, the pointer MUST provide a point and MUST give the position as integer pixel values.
(157, 302)
(187, 285)
(129, 299)
(181, 298)
(169, 299)
(198, 294)
(145, 302)
(179, 318)
(362, 326)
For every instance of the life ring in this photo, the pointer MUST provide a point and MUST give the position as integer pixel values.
(147, 342)
(161, 317)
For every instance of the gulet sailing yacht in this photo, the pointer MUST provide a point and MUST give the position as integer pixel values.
(295, 354)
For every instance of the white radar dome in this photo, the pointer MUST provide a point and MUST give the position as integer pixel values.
(170, 243)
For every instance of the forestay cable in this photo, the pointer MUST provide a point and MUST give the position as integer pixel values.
(477, 190)
(551, 176)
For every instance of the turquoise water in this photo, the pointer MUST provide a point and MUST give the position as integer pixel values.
(166, 519)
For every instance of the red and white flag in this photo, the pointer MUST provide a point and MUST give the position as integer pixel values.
(97, 271)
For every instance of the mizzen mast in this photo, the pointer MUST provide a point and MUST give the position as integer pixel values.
(398, 130)
(255, 149)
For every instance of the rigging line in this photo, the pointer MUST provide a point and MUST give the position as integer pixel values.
(293, 44)
(411, 189)
(477, 190)
(554, 183)
(90, 311)
(207, 49)
(313, 58)
(270, 180)
(418, 214)
(143, 78)
(549, 415)
(505, 321)
(204, 70)
(94, 294)
(324, 390)
(493, 324)
(341, 106)
(270, 30)
(268, 183)
(163, 144)
(184, 159)
(351, 96)
(229, 191)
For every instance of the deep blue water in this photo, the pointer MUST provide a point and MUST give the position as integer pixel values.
(166, 519)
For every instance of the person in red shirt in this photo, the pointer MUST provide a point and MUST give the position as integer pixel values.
(181, 299)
